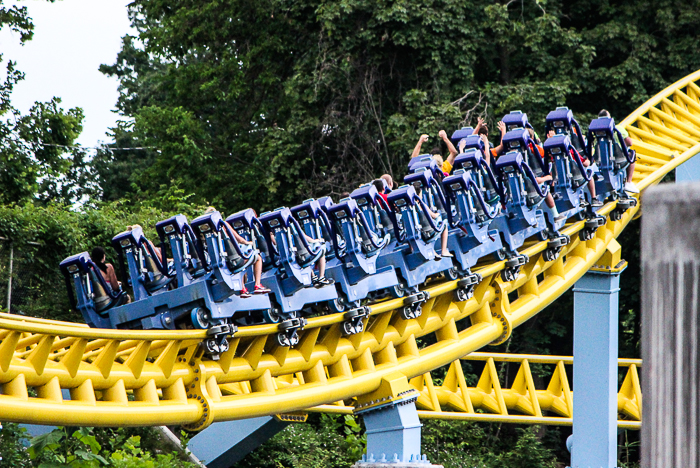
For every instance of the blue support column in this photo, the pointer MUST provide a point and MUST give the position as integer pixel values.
(596, 317)
(689, 171)
(392, 425)
(223, 444)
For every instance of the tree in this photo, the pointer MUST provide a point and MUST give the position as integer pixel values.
(266, 103)
(37, 158)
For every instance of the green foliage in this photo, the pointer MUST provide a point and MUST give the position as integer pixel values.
(12, 450)
(35, 164)
(324, 441)
(263, 104)
(82, 449)
(44, 235)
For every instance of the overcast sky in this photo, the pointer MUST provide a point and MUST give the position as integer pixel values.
(71, 39)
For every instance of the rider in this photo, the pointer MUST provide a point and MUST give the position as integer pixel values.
(586, 163)
(629, 185)
(257, 266)
(483, 131)
(436, 153)
(98, 256)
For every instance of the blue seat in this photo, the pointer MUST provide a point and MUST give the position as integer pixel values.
(519, 140)
(608, 149)
(562, 122)
(88, 291)
(147, 273)
(516, 119)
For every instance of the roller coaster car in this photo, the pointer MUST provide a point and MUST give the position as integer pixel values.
(314, 222)
(355, 269)
(188, 255)
(609, 151)
(192, 301)
(247, 225)
(515, 119)
(570, 175)
(522, 217)
(519, 140)
(228, 262)
(88, 291)
(378, 214)
(147, 273)
(562, 122)
(429, 189)
(293, 257)
(413, 252)
(473, 162)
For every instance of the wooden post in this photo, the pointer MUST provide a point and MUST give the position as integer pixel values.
(670, 328)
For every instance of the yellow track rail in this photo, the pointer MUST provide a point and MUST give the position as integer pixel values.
(522, 403)
(128, 378)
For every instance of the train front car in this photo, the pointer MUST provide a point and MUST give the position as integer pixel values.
(608, 149)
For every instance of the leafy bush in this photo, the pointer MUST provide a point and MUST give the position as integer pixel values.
(44, 235)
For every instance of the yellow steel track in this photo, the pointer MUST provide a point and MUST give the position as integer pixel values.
(128, 378)
(522, 403)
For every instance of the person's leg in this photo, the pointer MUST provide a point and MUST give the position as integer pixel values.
(630, 171)
(445, 252)
(321, 265)
(549, 201)
(257, 270)
(591, 187)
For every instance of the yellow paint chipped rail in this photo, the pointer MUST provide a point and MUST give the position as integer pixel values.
(125, 378)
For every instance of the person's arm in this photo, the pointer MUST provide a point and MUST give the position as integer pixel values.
(450, 147)
(479, 124)
(462, 144)
(112, 278)
(157, 251)
(502, 129)
(240, 239)
(543, 179)
(310, 239)
(628, 142)
(416, 151)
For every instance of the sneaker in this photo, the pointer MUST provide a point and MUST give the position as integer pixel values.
(446, 254)
(245, 294)
(561, 217)
(323, 281)
(438, 257)
(596, 202)
(260, 289)
(631, 187)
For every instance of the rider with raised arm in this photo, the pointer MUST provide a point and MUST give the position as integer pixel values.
(630, 186)
(436, 153)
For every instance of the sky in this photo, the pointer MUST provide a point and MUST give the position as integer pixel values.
(72, 38)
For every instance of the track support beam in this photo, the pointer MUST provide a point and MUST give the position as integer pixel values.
(596, 318)
(392, 425)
